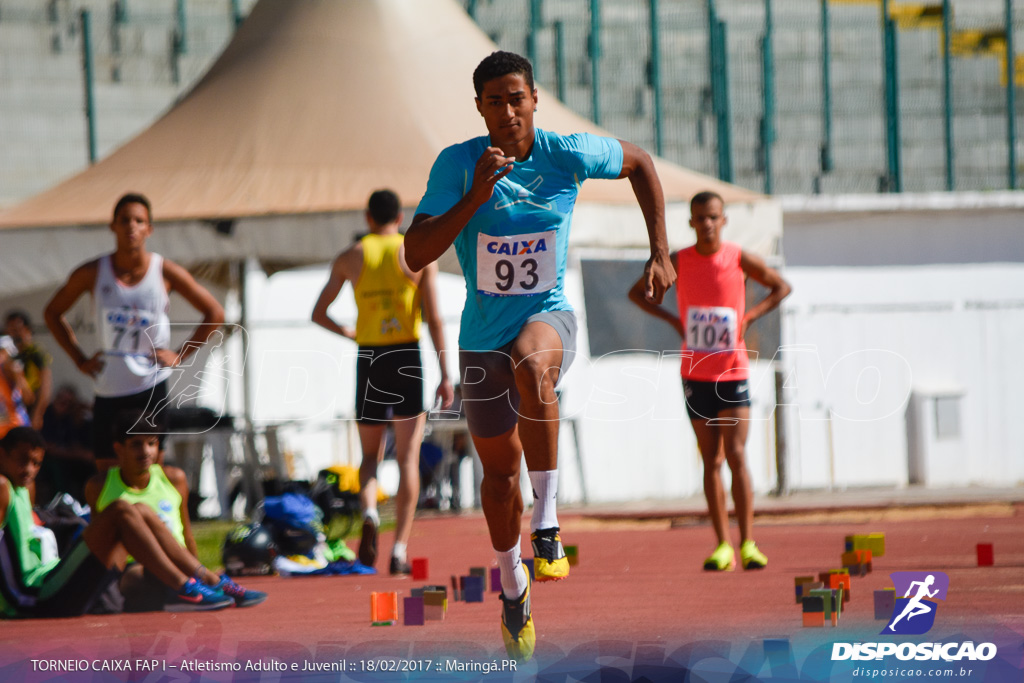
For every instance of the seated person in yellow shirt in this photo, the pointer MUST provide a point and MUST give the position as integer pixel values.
(139, 478)
(35, 583)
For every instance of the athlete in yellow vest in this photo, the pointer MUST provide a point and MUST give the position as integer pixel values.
(389, 370)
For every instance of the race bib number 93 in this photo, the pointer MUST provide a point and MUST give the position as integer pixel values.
(516, 265)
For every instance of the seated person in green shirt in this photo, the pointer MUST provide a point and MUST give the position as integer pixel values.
(33, 584)
(139, 479)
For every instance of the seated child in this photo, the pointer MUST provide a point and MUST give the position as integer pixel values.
(34, 586)
(139, 478)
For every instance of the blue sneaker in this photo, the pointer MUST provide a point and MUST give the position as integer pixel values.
(195, 596)
(243, 597)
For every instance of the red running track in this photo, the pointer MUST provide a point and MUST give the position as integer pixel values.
(639, 589)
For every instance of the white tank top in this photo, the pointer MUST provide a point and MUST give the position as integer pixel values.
(132, 321)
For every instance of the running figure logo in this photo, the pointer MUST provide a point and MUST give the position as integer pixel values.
(914, 613)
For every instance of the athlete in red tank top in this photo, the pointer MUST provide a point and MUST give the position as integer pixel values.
(712, 322)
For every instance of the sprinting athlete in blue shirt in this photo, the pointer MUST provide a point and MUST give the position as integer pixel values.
(505, 201)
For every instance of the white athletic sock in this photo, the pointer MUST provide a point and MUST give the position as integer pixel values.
(398, 551)
(371, 513)
(545, 499)
(513, 579)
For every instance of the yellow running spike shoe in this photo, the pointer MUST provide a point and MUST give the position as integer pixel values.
(549, 560)
(517, 624)
(751, 557)
(722, 560)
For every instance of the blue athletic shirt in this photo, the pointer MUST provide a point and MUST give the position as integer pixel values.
(534, 203)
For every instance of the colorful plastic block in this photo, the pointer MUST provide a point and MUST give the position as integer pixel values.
(495, 579)
(384, 609)
(843, 580)
(435, 604)
(474, 589)
(986, 555)
(800, 588)
(412, 611)
(814, 619)
(420, 568)
(885, 600)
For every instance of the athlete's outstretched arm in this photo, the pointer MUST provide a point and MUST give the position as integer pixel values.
(182, 282)
(435, 324)
(638, 166)
(755, 267)
(79, 282)
(430, 236)
(638, 297)
(338, 278)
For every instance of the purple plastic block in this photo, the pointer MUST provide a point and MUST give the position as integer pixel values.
(495, 579)
(412, 611)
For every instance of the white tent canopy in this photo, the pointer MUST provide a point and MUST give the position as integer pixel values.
(312, 106)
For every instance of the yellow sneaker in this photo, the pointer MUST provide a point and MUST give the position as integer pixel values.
(751, 557)
(517, 624)
(549, 560)
(722, 560)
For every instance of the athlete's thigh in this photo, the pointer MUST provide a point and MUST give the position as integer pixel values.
(734, 425)
(489, 394)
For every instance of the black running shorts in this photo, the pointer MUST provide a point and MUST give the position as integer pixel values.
(389, 382)
(705, 400)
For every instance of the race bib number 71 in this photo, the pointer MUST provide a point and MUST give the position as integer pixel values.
(516, 265)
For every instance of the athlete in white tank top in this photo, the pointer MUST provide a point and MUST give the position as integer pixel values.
(130, 290)
(132, 323)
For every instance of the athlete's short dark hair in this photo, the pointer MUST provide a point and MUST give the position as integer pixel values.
(384, 207)
(498, 64)
(134, 198)
(18, 314)
(705, 197)
(20, 435)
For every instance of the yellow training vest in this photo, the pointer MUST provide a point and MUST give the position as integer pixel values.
(388, 301)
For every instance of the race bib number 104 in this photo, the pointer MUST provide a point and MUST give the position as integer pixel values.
(516, 265)
(710, 328)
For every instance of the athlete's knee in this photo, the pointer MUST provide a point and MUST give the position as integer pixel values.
(535, 376)
(736, 456)
(713, 461)
(120, 509)
(500, 484)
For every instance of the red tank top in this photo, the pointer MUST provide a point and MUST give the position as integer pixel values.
(711, 293)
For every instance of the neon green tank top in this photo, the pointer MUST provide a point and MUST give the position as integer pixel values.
(19, 524)
(159, 495)
(388, 302)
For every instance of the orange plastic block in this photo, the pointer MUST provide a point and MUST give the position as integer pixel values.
(837, 580)
(383, 609)
(814, 619)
